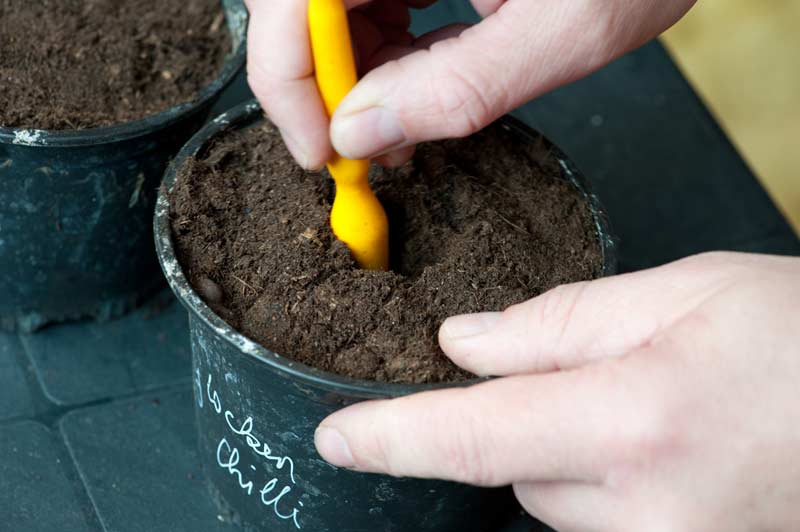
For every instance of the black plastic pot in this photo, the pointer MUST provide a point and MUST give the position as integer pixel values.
(76, 207)
(257, 411)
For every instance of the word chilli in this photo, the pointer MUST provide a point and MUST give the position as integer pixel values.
(228, 458)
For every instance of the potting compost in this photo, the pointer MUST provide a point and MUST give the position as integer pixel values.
(476, 224)
(74, 64)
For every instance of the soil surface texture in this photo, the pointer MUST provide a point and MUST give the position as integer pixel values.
(76, 64)
(477, 224)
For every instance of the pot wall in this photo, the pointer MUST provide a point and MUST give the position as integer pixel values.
(256, 434)
(76, 208)
(257, 411)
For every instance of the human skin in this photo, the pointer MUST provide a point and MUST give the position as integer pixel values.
(448, 83)
(663, 400)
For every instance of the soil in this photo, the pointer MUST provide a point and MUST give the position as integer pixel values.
(477, 224)
(75, 64)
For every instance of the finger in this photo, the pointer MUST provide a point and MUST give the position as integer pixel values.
(579, 323)
(367, 39)
(374, 46)
(461, 84)
(570, 506)
(280, 72)
(396, 158)
(352, 4)
(397, 49)
(447, 32)
(557, 430)
(387, 52)
(487, 7)
(419, 4)
(391, 13)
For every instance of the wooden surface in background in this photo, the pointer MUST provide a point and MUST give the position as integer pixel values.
(742, 56)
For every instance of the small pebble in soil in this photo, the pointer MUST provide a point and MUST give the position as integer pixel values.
(209, 290)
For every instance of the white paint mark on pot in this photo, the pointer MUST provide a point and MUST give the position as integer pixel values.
(170, 266)
(597, 120)
(30, 137)
(237, 24)
(222, 119)
(249, 347)
(137, 191)
(232, 459)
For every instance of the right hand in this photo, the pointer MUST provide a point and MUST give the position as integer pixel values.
(448, 83)
(662, 400)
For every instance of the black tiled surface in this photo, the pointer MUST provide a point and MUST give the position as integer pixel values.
(36, 493)
(16, 397)
(142, 351)
(139, 463)
(122, 456)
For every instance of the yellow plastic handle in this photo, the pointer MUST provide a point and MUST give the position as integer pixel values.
(357, 217)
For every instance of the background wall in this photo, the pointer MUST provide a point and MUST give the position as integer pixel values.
(743, 57)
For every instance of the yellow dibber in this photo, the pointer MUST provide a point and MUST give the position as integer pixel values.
(357, 217)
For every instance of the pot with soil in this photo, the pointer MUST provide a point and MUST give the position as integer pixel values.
(285, 328)
(98, 96)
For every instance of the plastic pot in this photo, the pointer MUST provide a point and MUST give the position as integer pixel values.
(257, 411)
(76, 207)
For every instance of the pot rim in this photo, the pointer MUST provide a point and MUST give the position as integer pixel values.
(236, 17)
(247, 114)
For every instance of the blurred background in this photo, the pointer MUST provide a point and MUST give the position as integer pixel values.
(743, 57)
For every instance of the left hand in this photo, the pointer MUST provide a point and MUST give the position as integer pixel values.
(447, 83)
(663, 400)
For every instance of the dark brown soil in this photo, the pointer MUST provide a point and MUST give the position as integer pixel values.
(74, 64)
(477, 224)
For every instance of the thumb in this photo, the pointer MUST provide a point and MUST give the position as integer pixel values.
(575, 324)
(461, 84)
(524, 428)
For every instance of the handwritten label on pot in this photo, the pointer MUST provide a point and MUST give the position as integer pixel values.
(277, 493)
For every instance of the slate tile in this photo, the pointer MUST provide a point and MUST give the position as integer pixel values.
(36, 495)
(139, 462)
(80, 362)
(17, 399)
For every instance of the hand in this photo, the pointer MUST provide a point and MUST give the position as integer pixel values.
(662, 400)
(448, 83)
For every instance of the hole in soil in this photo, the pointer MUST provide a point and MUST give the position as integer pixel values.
(406, 257)
(409, 251)
(397, 232)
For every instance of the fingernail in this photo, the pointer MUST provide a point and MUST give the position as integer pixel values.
(366, 133)
(296, 149)
(332, 446)
(466, 325)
